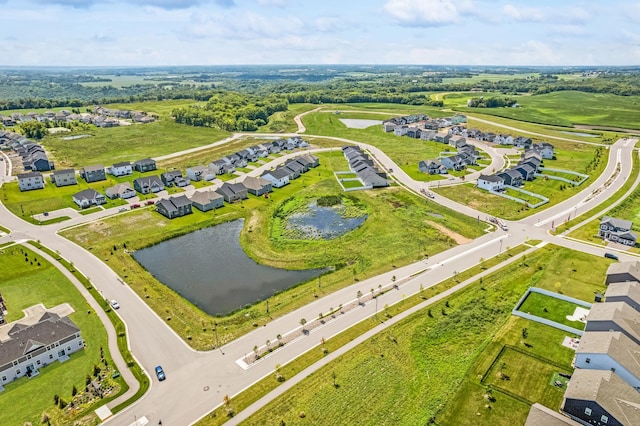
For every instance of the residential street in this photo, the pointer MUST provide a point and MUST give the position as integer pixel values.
(198, 381)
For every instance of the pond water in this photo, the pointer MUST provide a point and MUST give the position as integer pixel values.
(586, 135)
(354, 123)
(323, 222)
(209, 268)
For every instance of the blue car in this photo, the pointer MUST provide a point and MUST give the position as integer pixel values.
(160, 373)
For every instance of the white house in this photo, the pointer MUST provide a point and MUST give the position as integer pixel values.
(610, 351)
(30, 347)
(121, 169)
(545, 149)
(491, 182)
(278, 177)
(30, 180)
(198, 173)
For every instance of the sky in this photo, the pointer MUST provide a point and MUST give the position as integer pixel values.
(238, 32)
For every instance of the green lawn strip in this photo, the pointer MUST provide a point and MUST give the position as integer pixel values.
(262, 387)
(551, 308)
(5, 230)
(119, 326)
(406, 374)
(27, 283)
(395, 233)
(629, 209)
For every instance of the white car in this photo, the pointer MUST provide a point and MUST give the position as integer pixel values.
(115, 304)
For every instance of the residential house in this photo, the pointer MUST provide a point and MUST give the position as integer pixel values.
(468, 158)
(627, 292)
(295, 169)
(617, 231)
(31, 180)
(64, 177)
(278, 177)
(503, 139)
(89, 197)
(453, 162)
(200, 173)
(274, 148)
(623, 272)
(308, 161)
(526, 170)
(121, 169)
(401, 130)
(206, 200)
(614, 316)
(432, 167)
(121, 190)
(261, 151)
(413, 132)
(237, 161)
(522, 142)
(38, 161)
(147, 184)
(539, 415)
(531, 153)
(457, 141)
(173, 207)
(431, 125)
(596, 397)
(93, 173)
(533, 162)
(388, 126)
(545, 149)
(145, 165)
(28, 347)
(257, 186)
(169, 178)
(610, 351)
(489, 137)
(427, 135)
(511, 177)
(220, 167)
(442, 137)
(232, 192)
(491, 182)
(372, 179)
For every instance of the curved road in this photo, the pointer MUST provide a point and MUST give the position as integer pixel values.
(197, 381)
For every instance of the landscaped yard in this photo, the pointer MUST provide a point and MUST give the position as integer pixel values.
(430, 366)
(551, 308)
(27, 283)
(395, 233)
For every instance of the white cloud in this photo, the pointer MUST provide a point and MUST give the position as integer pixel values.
(523, 14)
(277, 3)
(569, 29)
(247, 26)
(429, 12)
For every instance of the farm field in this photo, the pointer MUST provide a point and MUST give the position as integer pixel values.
(25, 284)
(569, 108)
(395, 219)
(425, 367)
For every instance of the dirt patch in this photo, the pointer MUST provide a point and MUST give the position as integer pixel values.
(459, 239)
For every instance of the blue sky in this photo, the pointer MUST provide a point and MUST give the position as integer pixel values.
(220, 32)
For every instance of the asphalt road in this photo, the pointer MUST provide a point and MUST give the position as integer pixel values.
(197, 381)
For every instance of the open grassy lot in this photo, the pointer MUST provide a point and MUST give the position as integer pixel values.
(568, 108)
(423, 367)
(394, 234)
(570, 156)
(282, 121)
(404, 151)
(488, 77)
(27, 283)
(551, 308)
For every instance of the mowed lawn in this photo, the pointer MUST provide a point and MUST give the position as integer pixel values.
(24, 284)
(430, 365)
(395, 233)
(551, 308)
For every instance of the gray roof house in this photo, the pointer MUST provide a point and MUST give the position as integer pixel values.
(614, 316)
(610, 350)
(232, 192)
(627, 292)
(93, 173)
(64, 177)
(31, 180)
(221, 167)
(145, 165)
(370, 178)
(278, 177)
(453, 162)
(121, 169)
(198, 173)
(147, 184)
(621, 272)
(256, 185)
(30, 347)
(617, 231)
(596, 397)
(88, 197)
(296, 168)
(539, 415)
(526, 170)
(206, 200)
(490, 182)
(511, 177)
(173, 207)
(121, 190)
(432, 167)
(168, 178)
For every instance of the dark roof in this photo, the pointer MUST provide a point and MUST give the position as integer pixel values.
(491, 178)
(122, 164)
(145, 161)
(149, 180)
(172, 173)
(180, 200)
(94, 168)
(278, 173)
(89, 194)
(29, 175)
(232, 188)
(62, 172)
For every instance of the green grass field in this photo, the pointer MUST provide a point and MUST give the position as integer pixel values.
(429, 366)
(394, 234)
(25, 284)
(550, 308)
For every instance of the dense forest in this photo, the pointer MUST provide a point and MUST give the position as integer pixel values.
(231, 111)
(50, 88)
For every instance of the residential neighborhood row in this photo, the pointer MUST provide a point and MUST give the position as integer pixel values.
(100, 117)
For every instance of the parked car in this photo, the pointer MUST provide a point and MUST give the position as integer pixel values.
(149, 202)
(160, 373)
(611, 256)
(135, 206)
(122, 209)
(114, 304)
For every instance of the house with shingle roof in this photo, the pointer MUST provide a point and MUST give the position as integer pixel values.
(627, 292)
(30, 347)
(206, 200)
(232, 192)
(257, 186)
(31, 180)
(121, 190)
(93, 173)
(490, 182)
(614, 316)
(145, 165)
(432, 167)
(88, 197)
(121, 169)
(278, 177)
(173, 207)
(617, 230)
(621, 272)
(64, 177)
(147, 184)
